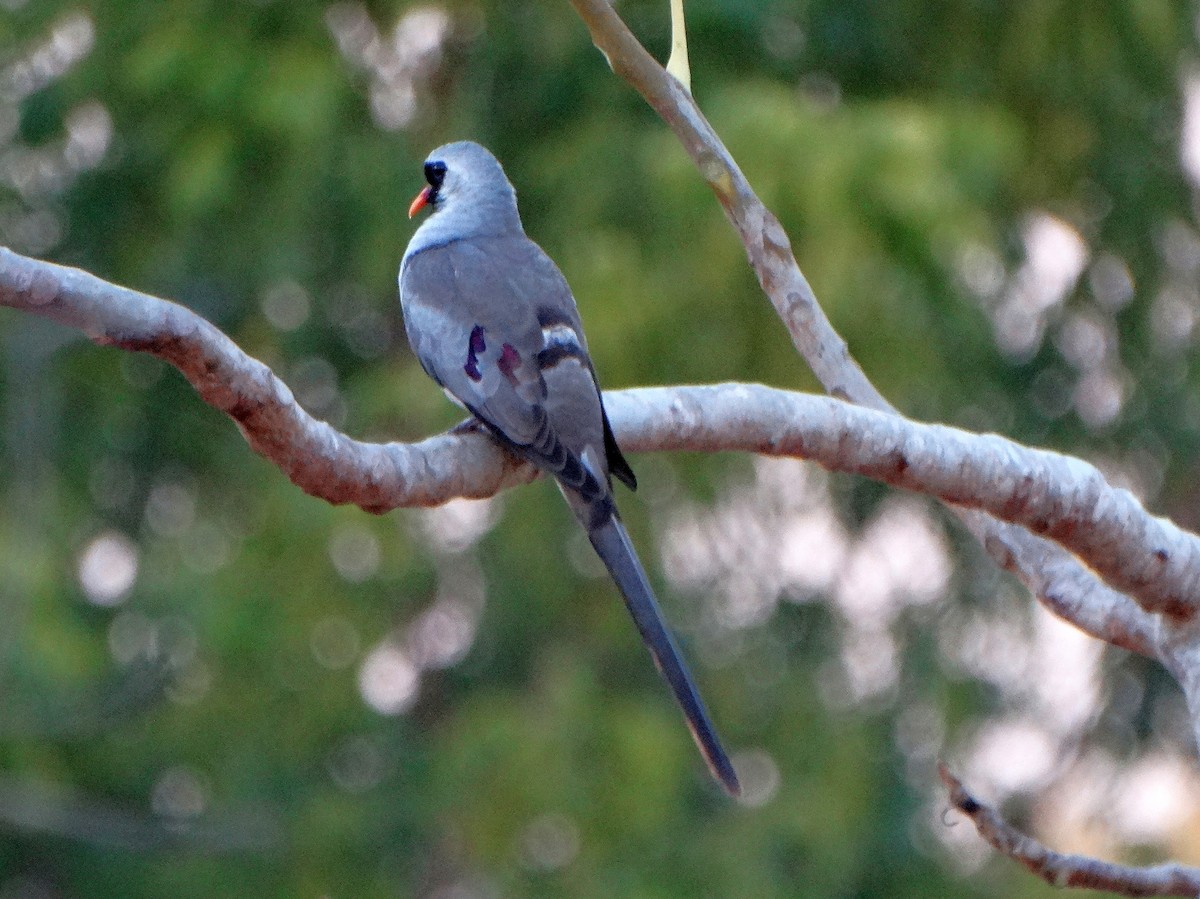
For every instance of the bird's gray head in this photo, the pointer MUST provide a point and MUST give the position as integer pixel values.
(468, 193)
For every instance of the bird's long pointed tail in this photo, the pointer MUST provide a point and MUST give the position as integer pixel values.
(612, 544)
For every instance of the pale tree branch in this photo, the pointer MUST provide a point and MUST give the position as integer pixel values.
(1033, 488)
(1065, 870)
(316, 457)
(1059, 496)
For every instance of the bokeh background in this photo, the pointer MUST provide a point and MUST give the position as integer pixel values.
(214, 685)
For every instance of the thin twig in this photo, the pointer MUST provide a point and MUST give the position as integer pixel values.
(766, 243)
(1064, 870)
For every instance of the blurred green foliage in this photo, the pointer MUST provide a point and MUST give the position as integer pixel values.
(206, 734)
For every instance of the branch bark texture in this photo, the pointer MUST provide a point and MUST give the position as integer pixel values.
(1062, 869)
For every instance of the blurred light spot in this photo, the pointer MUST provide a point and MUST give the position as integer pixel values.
(387, 680)
(132, 636)
(966, 849)
(995, 647)
(870, 659)
(812, 548)
(33, 232)
(89, 132)
(366, 330)
(1173, 316)
(822, 90)
(1017, 332)
(988, 411)
(352, 29)
(70, 41)
(1086, 340)
(1055, 257)
(420, 32)
(777, 537)
(1011, 755)
(1141, 473)
(782, 37)
(1064, 677)
(356, 765)
(458, 524)
(393, 105)
(1098, 398)
(179, 793)
(550, 842)
(1055, 254)
(108, 567)
(1179, 247)
(759, 776)
(286, 305)
(176, 641)
(1111, 282)
(443, 633)
(1077, 808)
(398, 67)
(981, 271)
(355, 552)
(1156, 797)
(334, 642)
(899, 559)
(920, 732)
(170, 509)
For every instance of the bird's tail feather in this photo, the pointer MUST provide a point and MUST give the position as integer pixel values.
(612, 544)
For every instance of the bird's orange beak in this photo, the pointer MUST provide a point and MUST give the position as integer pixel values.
(419, 202)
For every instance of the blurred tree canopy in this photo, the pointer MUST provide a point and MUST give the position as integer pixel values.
(211, 684)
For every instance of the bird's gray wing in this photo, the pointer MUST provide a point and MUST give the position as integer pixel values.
(493, 322)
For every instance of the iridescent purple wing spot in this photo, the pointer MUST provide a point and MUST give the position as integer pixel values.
(509, 360)
(475, 346)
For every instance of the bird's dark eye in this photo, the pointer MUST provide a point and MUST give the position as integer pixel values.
(435, 172)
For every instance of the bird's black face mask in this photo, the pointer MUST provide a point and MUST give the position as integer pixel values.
(435, 174)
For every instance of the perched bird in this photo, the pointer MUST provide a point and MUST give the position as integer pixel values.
(493, 322)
